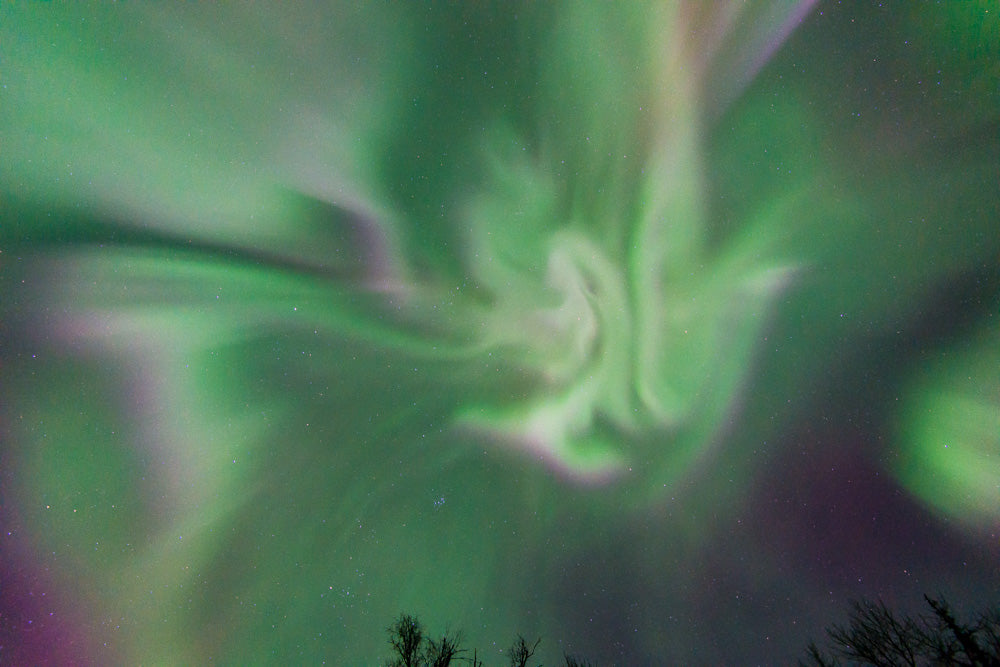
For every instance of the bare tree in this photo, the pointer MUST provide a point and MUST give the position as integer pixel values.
(413, 648)
(406, 637)
(876, 636)
(520, 652)
(441, 653)
(966, 638)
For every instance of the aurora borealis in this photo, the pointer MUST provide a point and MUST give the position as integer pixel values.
(659, 330)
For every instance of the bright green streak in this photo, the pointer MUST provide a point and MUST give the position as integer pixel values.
(950, 435)
(585, 245)
(548, 284)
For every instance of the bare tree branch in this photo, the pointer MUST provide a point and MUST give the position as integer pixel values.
(876, 636)
(520, 652)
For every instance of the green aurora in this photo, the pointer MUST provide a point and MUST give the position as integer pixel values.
(502, 314)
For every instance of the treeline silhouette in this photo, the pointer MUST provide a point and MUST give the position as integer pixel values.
(874, 636)
(413, 647)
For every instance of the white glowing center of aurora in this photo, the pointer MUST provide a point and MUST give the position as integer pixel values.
(624, 348)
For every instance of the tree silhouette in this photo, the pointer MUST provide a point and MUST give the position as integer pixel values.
(875, 635)
(441, 653)
(520, 652)
(413, 648)
(406, 636)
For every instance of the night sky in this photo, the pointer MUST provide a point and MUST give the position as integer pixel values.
(657, 330)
